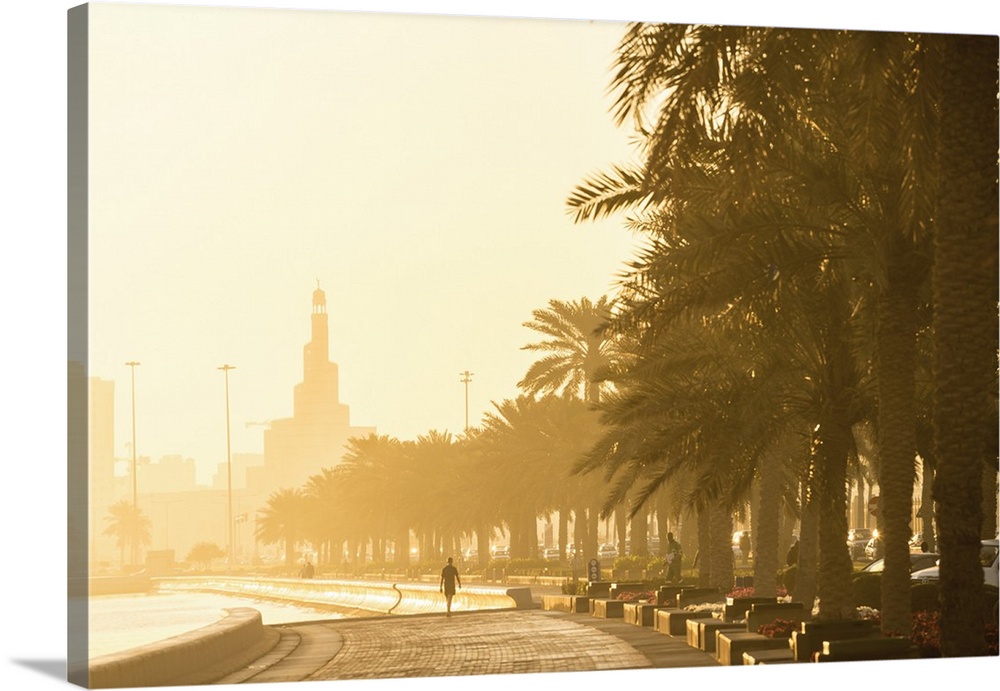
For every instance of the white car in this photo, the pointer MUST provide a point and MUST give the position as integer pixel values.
(987, 557)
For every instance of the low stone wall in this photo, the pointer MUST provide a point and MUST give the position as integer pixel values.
(367, 596)
(196, 657)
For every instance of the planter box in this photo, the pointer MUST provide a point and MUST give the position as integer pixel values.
(737, 607)
(616, 590)
(761, 614)
(881, 648)
(666, 595)
(698, 596)
(732, 644)
(810, 638)
(599, 588)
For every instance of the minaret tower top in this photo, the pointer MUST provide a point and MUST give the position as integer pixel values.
(319, 300)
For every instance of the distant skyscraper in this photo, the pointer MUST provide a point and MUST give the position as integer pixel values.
(314, 437)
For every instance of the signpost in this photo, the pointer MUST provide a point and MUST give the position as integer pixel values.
(873, 506)
(593, 570)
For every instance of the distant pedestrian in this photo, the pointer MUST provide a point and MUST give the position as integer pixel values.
(745, 546)
(793, 553)
(449, 577)
(308, 571)
(674, 553)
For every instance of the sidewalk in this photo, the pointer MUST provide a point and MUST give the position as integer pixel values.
(467, 643)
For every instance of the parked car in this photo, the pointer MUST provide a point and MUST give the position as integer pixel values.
(501, 553)
(918, 561)
(607, 551)
(857, 540)
(873, 550)
(987, 558)
(551, 554)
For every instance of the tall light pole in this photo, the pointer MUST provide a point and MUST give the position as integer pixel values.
(229, 472)
(466, 378)
(135, 498)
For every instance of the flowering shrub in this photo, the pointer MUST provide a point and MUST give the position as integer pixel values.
(629, 596)
(925, 632)
(779, 628)
(751, 591)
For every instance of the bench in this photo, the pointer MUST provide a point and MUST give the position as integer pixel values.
(731, 645)
(606, 608)
(574, 604)
(639, 613)
(701, 632)
(673, 621)
(773, 656)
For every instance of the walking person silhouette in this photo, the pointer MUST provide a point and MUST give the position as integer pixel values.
(449, 577)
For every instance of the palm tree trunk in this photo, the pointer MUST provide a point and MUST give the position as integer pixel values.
(720, 548)
(989, 529)
(563, 531)
(927, 526)
(766, 519)
(639, 522)
(663, 521)
(805, 576)
(593, 516)
(895, 345)
(580, 532)
(704, 540)
(835, 566)
(964, 327)
(621, 527)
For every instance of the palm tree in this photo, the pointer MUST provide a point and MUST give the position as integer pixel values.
(848, 117)
(129, 526)
(578, 353)
(577, 350)
(284, 519)
(965, 327)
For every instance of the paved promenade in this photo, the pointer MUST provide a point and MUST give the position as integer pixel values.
(466, 643)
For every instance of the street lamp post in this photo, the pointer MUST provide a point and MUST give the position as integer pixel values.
(135, 494)
(229, 472)
(135, 500)
(466, 378)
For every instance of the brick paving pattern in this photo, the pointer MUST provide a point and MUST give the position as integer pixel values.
(493, 643)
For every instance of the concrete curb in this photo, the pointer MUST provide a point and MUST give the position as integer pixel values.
(196, 657)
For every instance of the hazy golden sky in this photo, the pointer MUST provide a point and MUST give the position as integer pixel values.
(417, 166)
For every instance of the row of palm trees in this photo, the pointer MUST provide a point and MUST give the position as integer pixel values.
(818, 282)
(819, 210)
(498, 478)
